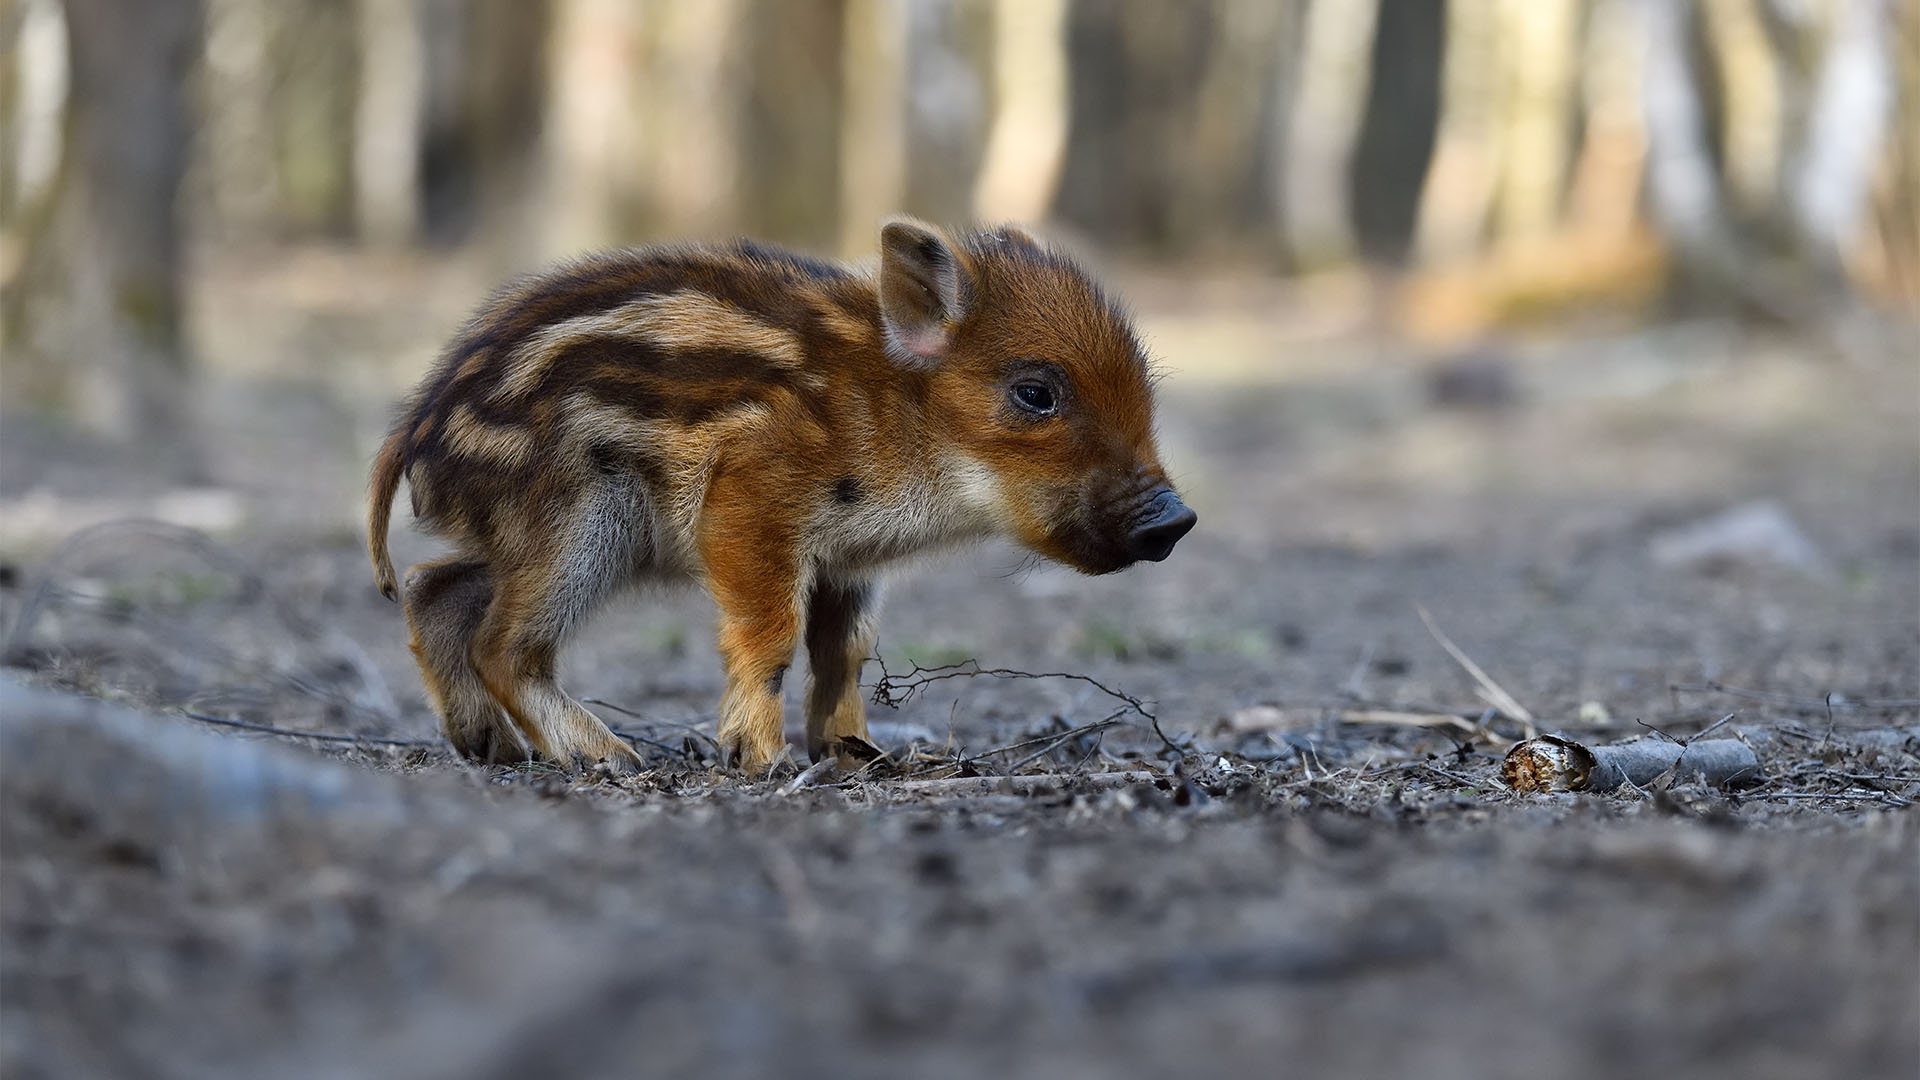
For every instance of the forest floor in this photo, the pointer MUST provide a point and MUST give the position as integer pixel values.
(1627, 529)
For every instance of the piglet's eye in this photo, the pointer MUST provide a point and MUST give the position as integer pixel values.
(1036, 398)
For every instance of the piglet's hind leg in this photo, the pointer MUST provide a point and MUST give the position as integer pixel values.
(446, 602)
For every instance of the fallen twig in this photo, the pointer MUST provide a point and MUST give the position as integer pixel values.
(1857, 796)
(1496, 695)
(1050, 741)
(634, 736)
(1463, 781)
(1098, 725)
(319, 736)
(1417, 719)
(894, 691)
(1701, 734)
(690, 729)
(812, 773)
(1027, 784)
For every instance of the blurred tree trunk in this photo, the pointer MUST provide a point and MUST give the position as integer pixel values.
(33, 92)
(691, 115)
(486, 75)
(1027, 143)
(1170, 145)
(1712, 265)
(1846, 120)
(948, 90)
(240, 179)
(1753, 81)
(93, 320)
(588, 151)
(1608, 170)
(1890, 262)
(691, 110)
(1390, 158)
(1836, 78)
(1458, 196)
(1323, 129)
(873, 129)
(12, 16)
(1223, 150)
(387, 122)
(1539, 42)
(1132, 62)
(315, 94)
(791, 152)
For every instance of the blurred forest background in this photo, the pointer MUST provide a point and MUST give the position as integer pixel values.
(171, 170)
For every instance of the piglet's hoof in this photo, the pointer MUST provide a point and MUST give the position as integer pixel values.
(750, 758)
(489, 745)
(610, 762)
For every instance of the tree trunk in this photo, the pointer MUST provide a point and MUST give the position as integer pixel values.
(1536, 117)
(1458, 197)
(1324, 127)
(314, 88)
(1390, 158)
(1685, 190)
(873, 125)
(1751, 91)
(792, 121)
(1028, 140)
(485, 83)
(387, 122)
(948, 70)
(93, 321)
(588, 154)
(1845, 124)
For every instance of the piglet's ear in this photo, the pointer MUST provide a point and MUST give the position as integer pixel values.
(923, 291)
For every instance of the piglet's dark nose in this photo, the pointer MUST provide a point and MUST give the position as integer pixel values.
(1162, 522)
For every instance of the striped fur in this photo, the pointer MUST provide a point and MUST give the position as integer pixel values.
(776, 427)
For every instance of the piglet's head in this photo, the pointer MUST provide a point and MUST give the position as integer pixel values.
(1038, 383)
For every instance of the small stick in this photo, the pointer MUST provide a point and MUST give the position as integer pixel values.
(1099, 725)
(894, 691)
(1036, 740)
(1020, 785)
(1862, 796)
(1414, 719)
(1710, 728)
(1463, 781)
(318, 736)
(631, 736)
(812, 772)
(897, 690)
(1496, 694)
(624, 711)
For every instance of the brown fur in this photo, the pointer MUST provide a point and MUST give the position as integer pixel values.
(776, 427)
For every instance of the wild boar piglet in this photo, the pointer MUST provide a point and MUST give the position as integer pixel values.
(776, 427)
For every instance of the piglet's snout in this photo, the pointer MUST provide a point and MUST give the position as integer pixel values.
(1162, 522)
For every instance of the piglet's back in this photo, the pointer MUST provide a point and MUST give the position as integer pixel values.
(634, 363)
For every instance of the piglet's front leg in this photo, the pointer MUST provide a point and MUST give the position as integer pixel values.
(756, 583)
(840, 634)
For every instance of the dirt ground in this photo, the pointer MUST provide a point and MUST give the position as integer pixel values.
(1626, 527)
